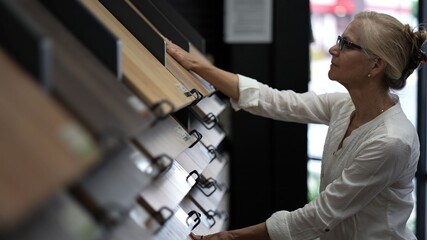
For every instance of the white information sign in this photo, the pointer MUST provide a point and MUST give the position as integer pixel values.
(248, 21)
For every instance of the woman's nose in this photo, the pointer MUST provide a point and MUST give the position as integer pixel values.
(334, 50)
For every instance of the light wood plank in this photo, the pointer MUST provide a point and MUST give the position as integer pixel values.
(212, 104)
(142, 72)
(186, 77)
(212, 201)
(196, 158)
(212, 136)
(175, 228)
(166, 137)
(163, 196)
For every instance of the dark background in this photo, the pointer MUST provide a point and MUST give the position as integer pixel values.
(268, 158)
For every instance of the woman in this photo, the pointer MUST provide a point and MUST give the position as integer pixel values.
(371, 150)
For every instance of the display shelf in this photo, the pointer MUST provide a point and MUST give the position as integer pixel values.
(96, 147)
(82, 83)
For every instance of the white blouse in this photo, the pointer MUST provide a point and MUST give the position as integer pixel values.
(366, 186)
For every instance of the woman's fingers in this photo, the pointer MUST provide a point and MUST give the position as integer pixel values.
(172, 48)
(196, 237)
(180, 55)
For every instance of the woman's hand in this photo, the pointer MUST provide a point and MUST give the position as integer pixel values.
(216, 236)
(254, 232)
(224, 81)
(186, 59)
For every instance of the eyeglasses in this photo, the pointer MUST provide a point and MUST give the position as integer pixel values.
(343, 43)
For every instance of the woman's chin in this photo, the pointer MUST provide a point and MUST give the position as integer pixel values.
(330, 75)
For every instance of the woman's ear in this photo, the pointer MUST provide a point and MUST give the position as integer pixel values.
(378, 66)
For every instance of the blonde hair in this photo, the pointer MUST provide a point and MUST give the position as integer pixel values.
(395, 43)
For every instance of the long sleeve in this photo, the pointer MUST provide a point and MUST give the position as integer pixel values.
(286, 105)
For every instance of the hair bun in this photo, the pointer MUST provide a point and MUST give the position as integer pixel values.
(417, 57)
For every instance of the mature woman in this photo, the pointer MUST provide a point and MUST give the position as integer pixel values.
(371, 150)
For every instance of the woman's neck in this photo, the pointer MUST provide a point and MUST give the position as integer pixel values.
(368, 107)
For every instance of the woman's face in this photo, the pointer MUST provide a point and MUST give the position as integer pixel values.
(350, 65)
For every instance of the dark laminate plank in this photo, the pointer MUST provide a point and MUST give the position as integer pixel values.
(25, 41)
(90, 31)
(181, 24)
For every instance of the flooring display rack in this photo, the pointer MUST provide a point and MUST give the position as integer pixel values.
(103, 134)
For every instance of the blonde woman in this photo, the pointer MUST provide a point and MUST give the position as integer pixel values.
(371, 150)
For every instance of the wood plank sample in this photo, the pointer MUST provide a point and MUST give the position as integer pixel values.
(207, 110)
(159, 22)
(214, 220)
(142, 72)
(34, 51)
(84, 85)
(115, 184)
(209, 198)
(181, 24)
(196, 158)
(163, 196)
(212, 136)
(90, 31)
(185, 76)
(138, 224)
(169, 23)
(175, 228)
(43, 147)
(62, 217)
(212, 104)
(166, 137)
(142, 31)
(218, 169)
(202, 223)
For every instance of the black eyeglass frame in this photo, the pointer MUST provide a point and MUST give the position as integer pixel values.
(344, 43)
